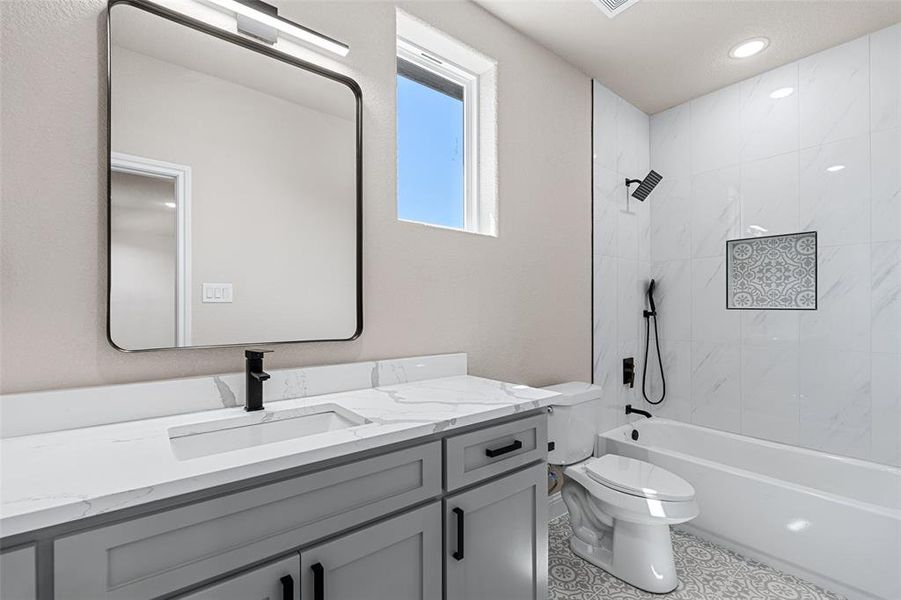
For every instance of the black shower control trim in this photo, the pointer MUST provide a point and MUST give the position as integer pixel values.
(629, 371)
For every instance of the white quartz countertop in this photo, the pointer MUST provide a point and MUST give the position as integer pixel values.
(52, 478)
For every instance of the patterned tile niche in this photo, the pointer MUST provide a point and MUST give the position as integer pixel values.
(777, 272)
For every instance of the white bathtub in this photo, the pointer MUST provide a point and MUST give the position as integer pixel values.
(832, 520)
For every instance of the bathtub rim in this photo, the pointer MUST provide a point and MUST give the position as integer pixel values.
(822, 494)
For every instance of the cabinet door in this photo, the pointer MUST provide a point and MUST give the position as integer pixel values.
(18, 578)
(397, 559)
(275, 581)
(496, 540)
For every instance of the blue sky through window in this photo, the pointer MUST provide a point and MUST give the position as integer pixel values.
(429, 155)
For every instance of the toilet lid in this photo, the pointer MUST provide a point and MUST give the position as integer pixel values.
(638, 478)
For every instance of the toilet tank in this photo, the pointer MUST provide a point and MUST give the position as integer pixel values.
(573, 422)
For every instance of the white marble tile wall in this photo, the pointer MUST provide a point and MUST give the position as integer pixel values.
(622, 248)
(738, 163)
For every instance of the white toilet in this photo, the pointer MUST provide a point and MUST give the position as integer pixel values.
(620, 508)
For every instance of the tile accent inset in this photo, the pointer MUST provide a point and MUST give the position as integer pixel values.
(773, 272)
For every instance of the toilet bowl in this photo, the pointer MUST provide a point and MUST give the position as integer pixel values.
(620, 508)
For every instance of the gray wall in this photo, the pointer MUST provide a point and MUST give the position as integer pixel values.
(519, 304)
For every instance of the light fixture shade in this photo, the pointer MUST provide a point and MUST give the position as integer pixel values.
(286, 27)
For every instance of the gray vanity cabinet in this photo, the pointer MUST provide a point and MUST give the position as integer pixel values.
(382, 527)
(496, 541)
(275, 581)
(397, 559)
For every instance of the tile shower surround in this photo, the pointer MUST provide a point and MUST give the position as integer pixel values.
(621, 246)
(736, 164)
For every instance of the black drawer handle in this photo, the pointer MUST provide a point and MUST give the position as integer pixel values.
(458, 554)
(287, 587)
(318, 581)
(494, 452)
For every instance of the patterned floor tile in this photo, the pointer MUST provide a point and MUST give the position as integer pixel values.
(706, 572)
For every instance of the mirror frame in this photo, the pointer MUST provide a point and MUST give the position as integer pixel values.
(253, 46)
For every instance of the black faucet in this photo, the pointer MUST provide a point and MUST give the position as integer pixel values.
(253, 394)
(630, 410)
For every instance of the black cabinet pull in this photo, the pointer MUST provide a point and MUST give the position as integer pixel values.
(287, 587)
(493, 452)
(458, 554)
(318, 581)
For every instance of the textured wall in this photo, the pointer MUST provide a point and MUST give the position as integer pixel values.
(738, 162)
(519, 304)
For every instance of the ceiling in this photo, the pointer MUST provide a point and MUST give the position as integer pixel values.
(660, 53)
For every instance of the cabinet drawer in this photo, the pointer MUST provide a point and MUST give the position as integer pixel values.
(471, 457)
(162, 553)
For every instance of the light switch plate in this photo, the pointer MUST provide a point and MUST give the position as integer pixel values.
(217, 293)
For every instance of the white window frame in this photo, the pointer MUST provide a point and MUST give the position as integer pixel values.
(447, 69)
(181, 174)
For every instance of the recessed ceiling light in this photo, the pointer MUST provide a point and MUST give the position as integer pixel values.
(835, 168)
(749, 47)
(782, 93)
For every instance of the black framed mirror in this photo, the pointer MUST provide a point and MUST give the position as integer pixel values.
(235, 189)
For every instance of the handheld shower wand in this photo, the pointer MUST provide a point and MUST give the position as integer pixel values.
(648, 315)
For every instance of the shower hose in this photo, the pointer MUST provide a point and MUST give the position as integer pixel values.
(648, 315)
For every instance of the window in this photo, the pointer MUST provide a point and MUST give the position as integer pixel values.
(440, 178)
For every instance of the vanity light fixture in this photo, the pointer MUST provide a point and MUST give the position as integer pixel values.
(782, 93)
(835, 168)
(267, 16)
(749, 48)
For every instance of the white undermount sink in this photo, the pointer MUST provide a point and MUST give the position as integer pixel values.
(258, 428)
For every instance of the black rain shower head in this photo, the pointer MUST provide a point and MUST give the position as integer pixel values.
(646, 185)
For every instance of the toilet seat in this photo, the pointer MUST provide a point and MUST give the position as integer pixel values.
(631, 507)
(638, 478)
